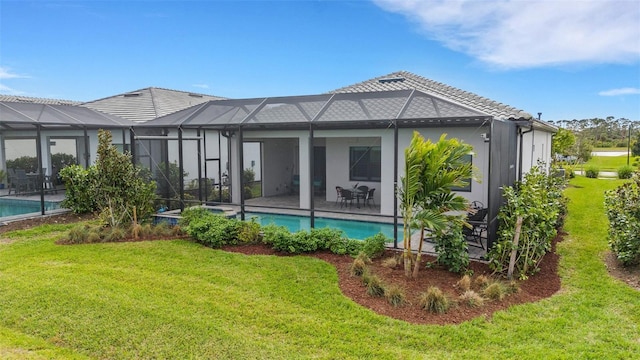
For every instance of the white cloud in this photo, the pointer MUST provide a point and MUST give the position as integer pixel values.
(532, 33)
(5, 73)
(621, 91)
(202, 86)
(9, 91)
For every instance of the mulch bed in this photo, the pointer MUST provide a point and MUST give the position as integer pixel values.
(542, 285)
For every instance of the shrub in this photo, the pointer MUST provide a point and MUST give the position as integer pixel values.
(623, 210)
(273, 233)
(375, 286)
(592, 172)
(328, 237)
(112, 186)
(80, 186)
(391, 262)
(495, 291)
(625, 172)
(538, 199)
(374, 246)
(342, 245)
(481, 281)
(452, 248)
(213, 230)
(115, 234)
(464, 283)
(358, 267)
(249, 232)
(471, 299)
(395, 295)
(435, 301)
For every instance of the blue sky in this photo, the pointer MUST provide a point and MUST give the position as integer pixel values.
(565, 59)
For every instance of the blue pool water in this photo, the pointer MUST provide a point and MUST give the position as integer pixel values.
(353, 229)
(12, 207)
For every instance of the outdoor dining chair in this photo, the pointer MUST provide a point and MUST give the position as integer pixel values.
(476, 233)
(22, 181)
(347, 195)
(369, 199)
(338, 194)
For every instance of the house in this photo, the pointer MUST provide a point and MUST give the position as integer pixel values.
(355, 134)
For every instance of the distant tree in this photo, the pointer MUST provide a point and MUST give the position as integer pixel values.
(28, 163)
(563, 142)
(635, 150)
(62, 160)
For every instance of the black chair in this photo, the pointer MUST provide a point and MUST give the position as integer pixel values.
(370, 198)
(361, 193)
(478, 227)
(347, 195)
(22, 182)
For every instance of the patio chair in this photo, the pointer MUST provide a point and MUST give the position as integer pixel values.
(338, 194)
(478, 227)
(11, 181)
(347, 195)
(361, 193)
(47, 181)
(369, 199)
(22, 181)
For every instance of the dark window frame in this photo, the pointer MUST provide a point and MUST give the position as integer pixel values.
(365, 163)
(468, 180)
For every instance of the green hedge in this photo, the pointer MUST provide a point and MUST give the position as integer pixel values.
(623, 210)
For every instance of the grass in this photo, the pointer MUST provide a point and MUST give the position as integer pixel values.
(176, 299)
(608, 163)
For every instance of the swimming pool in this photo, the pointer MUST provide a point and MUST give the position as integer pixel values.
(352, 228)
(12, 207)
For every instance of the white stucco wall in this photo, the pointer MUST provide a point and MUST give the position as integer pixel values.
(536, 147)
(469, 135)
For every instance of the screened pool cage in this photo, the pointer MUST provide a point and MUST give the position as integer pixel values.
(48, 136)
(281, 153)
(300, 148)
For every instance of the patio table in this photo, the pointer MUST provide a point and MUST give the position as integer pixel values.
(359, 194)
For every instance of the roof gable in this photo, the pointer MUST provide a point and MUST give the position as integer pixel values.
(403, 80)
(148, 103)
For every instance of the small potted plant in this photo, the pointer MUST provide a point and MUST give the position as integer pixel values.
(3, 175)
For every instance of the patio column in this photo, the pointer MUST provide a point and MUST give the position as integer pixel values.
(235, 168)
(305, 171)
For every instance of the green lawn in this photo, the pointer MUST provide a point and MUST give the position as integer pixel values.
(608, 163)
(176, 299)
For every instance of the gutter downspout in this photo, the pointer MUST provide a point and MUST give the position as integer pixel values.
(521, 150)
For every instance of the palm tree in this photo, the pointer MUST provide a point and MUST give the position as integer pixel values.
(409, 193)
(431, 171)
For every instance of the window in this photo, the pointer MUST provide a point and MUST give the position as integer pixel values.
(467, 187)
(364, 163)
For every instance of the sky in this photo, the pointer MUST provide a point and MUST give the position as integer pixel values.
(564, 59)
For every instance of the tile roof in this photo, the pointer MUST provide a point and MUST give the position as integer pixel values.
(35, 100)
(402, 80)
(148, 103)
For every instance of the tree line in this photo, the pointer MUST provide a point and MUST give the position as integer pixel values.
(578, 138)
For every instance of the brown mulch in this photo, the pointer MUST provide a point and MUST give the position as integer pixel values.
(629, 275)
(542, 285)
